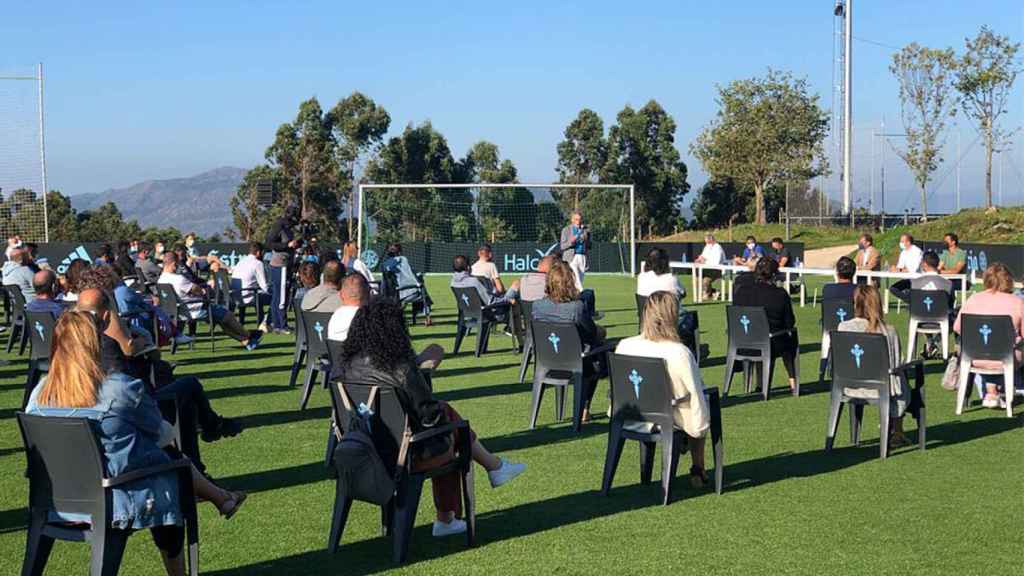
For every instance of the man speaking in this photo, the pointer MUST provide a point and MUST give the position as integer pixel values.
(575, 246)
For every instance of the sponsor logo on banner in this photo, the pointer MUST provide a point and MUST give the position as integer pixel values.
(77, 254)
(526, 262)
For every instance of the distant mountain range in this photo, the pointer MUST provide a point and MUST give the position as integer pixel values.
(195, 204)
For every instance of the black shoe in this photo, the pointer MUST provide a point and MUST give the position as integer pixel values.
(225, 428)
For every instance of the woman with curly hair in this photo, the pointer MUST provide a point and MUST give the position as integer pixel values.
(378, 352)
(72, 279)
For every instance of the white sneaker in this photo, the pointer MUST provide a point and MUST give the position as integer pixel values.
(990, 401)
(182, 339)
(442, 529)
(506, 473)
(263, 328)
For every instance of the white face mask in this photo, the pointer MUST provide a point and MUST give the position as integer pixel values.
(751, 246)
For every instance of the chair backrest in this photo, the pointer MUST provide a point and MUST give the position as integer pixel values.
(468, 301)
(526, 309)
(17, 299)
(747, 326)
(315, 326)
(487, 283)
(169, 302)
(987, 337)
(834, 311)
(389, 284)
(860, 359)
(929, 305)
(65, 464)
(641, 389)
(641, 302)
(300, 324)
(386, 406)
(557, 345)
(40, 333)
(221, 287)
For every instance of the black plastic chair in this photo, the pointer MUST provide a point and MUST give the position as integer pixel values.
(862, 360)
(18, 330)
(67, 474)
(301, 348)
(398, 516)
(834, 311)
(392, 290)
(318, 353)
(750, 342)
(641, 304)
(154, 323)
(221, 293)
(642, 407)
(929, 314)
(525, 312)
(40, 330)
(559, 357)
(241, 299)
(473, 314)
(178, 309)
(987, 337)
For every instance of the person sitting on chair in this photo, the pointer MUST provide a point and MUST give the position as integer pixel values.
(199, 310)
(843, 287)
(249, 277)
(309, 277)
(997, 298)
(658, 276)
(72, 279)
(405, 276)
(953, 260)
(778, 307)
(17, 272)
(45, 284)
(463, 278)
(484, 268)
(659, 339)
(562, 304)
(146, 269)
(752, 252)
(324, 296)
(713, 253)
(378, 351)
(867, 317)
(133, 435)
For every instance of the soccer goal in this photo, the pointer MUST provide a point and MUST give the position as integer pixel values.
(22, 156)
(522, 222)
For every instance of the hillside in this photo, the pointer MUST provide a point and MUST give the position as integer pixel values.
(197, 203)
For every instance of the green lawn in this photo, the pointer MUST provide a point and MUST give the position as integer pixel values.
(787, 508)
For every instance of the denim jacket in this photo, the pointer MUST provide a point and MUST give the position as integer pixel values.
(128, 424)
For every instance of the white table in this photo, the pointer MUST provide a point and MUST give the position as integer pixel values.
(697, 278)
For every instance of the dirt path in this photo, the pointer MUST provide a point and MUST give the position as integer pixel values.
(826, 257)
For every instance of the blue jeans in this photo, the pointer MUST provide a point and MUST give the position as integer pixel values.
(278, 298)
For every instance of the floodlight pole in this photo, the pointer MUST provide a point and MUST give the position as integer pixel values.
(42, 157)
(359, 226)
(847, 106)
(632, 232)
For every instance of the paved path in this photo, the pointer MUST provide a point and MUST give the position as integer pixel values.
(826, 257)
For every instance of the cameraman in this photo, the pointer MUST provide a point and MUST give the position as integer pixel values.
(575, 246)
(282, 242)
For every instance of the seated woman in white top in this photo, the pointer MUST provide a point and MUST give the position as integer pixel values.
(659, 339)
(658, 276)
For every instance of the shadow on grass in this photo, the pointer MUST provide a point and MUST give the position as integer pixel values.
(235, 372)
(279, 478)
(445, 373)
(13, 520)
(247, 390)
(457, 394)
(286, 417)
(374, 556)
(544, 435)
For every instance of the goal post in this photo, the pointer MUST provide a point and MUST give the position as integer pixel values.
(522, 221)
(23, 186)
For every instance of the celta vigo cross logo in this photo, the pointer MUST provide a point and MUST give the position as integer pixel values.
(857, 352)
(746, 324)
(465, 299)
(554, 339)
(319, 328)
(636, 379)
(928, 303)
(841, 314)
(984, 331)
(39, 330)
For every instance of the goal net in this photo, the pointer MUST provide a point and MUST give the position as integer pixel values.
(22, 171)
(522, 222)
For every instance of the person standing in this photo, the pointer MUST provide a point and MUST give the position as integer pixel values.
(282, 241)
(575, 246)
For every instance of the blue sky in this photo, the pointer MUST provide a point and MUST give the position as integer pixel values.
(156, 90)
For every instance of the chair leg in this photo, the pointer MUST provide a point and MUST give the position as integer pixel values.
(765, 372)
(297, 361)
(107, 550)
(342, 506)
(730, 363)
(961, 392)
(559, 403)
(13, 334)
(669, 464)
(527, 356)
(30, 381)
(1008, 387)
(834, 413)
(311, 376)
(37, 547)
(612, 455)
(944, 326)
(912, 340)
(883, 425)
(405, 516)
(24, 340)
(577, 401)
(647, 461)
(538, 394)
(460, 333)
(469, 504)
(856, 421)
(482, 335)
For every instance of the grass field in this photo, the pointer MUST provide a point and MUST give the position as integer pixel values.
(787, 508)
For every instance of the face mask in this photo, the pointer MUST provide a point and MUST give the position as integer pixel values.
(751, 246)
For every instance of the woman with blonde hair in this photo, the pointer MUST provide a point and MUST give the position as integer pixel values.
(132, 434)
(997, 298)
(659, 338)
(867, 317)
(562, 304)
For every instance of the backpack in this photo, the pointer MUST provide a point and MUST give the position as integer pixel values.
(358, 460)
